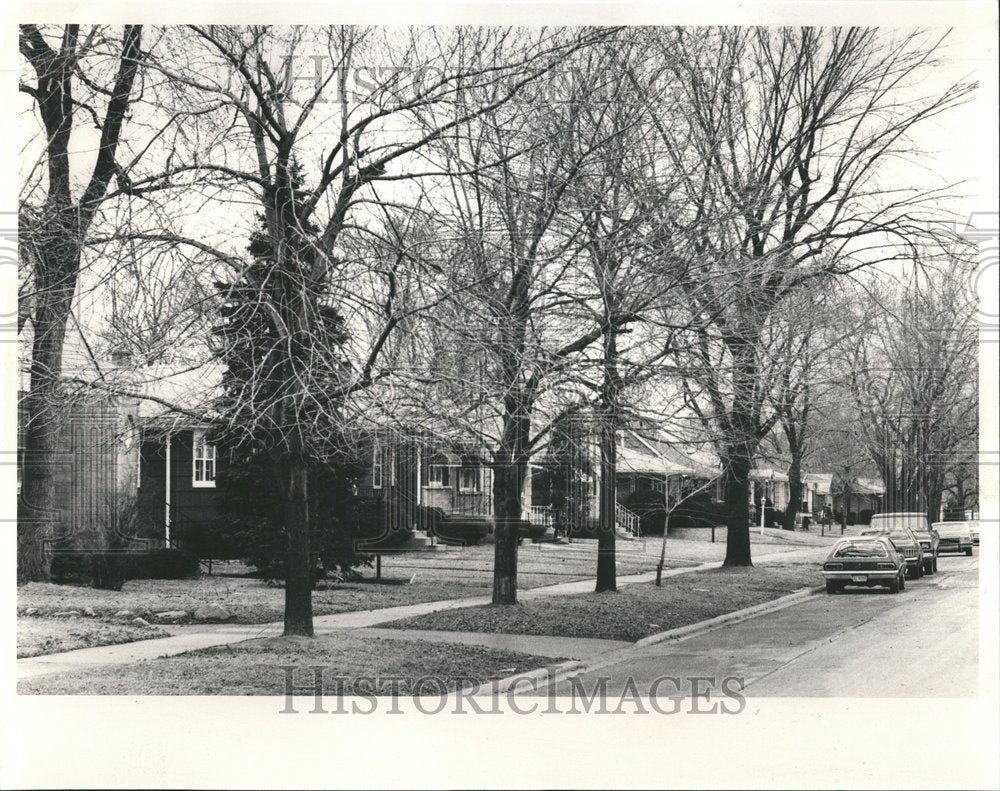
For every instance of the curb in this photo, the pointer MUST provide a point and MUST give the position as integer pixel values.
(730, 617)
(575, 667)
(504, 685)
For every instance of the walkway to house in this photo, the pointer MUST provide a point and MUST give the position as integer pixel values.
(190, 638)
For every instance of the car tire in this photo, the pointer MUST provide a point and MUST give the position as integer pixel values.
(935, 564)
(928, 567)
(968, 552)
(918, 571)
(894, 586)
(832, 587)
(902, 581)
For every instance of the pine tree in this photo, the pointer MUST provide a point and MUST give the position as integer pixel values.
(254, 422)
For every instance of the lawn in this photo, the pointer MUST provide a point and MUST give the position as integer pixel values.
(249, 600)
(407, 579)
(352, 665)
(635, 611)
(39, 636)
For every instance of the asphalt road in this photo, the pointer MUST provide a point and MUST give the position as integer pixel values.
(921, 642)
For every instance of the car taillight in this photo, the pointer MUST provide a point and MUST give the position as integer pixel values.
(833, 566)
(885, 565)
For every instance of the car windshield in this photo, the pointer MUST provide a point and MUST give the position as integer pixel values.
(950, 527)
(900, 535)
(861, 549)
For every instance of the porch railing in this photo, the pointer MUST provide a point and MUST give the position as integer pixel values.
(626, 520)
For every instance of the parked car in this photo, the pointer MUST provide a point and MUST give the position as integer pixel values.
(868, 561)
(954, 537)
(974, 528)
(916, 522)
(929, 542)
(906, 544)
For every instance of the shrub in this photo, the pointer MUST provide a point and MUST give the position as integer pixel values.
(169, 564)
(111, 570)
(584, 528)
(698, 511)
(464, 530)
(251, 519)
(527, 530)
(71, 567)
(106, 570)
(648, 505)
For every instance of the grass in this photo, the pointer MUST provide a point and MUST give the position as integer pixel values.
(249, 600)
(40, 636)
(635, 612)
(352, 665)
(407, 579)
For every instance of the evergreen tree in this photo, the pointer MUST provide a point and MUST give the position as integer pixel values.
(252, 518)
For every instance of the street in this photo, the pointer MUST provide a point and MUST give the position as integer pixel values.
(922, 642)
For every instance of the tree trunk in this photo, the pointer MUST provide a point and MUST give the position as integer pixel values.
(55, 284)
(844, 505)
(738, 461)
(58, 236)
(606, 580)
(507, 516)
(35, 508)
(298, 558)
(794, 490)
(736, 482)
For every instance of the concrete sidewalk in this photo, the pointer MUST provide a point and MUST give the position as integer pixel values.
(190, 638)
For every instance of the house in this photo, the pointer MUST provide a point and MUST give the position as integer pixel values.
(418, 471)
(816, 492)
(95, 471)
(769, 485)
(859, 498)
(568, 479)
(97, 453)
(176, 481)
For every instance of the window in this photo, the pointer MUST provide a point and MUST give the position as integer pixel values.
(203, 462)
(468, 479)
(377, 467)
(438, 477)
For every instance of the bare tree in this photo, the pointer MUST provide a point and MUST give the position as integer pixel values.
(790, 131)
(315, 156)
(913, 376)
(77, 77)
(522, 312)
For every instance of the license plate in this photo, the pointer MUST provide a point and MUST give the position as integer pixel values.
(859, 578)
